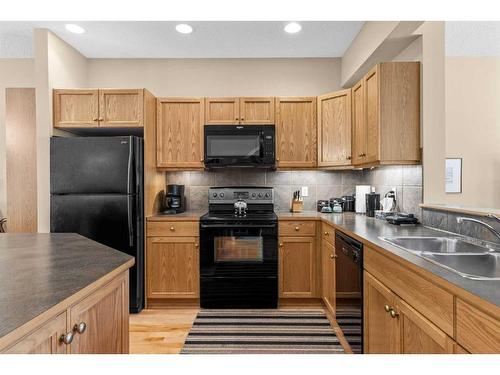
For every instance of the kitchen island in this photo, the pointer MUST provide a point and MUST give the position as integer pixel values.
(62, 293)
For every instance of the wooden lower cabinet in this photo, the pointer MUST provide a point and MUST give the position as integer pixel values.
(328, 260)
(172, 267)
(44, 340)
(297, 267)
(392, 326)
(104, 314)
(96, 324)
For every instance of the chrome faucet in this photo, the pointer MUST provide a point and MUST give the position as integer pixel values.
(461, 219)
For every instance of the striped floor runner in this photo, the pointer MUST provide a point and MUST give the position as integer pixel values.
(261, 332)
(349, 321)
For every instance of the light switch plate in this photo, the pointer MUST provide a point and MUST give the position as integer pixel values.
(305, 191)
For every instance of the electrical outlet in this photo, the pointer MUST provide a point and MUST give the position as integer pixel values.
(305, 191)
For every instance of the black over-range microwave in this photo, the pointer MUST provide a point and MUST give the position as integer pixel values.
(240, 146)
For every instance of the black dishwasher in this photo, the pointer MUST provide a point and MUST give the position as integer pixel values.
(349, 289)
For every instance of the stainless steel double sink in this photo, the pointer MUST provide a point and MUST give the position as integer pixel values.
(464, 258)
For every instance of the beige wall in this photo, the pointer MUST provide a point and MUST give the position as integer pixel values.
(57, 64)
(473, 128)
(219, 77)
(13, 73)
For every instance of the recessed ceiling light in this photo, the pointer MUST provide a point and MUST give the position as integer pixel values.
(184, 28)
(75, 28)
(293, 27)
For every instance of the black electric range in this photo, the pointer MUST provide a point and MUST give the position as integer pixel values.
(239, 249)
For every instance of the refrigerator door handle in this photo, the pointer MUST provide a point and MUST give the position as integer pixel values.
(129, 221)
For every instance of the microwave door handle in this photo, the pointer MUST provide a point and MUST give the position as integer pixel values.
(261, 144)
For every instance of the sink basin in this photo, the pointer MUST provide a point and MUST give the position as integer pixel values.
(463, 258)
(436, 245)
(478, 267)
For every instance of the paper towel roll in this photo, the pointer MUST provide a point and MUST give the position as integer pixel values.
(361, 191)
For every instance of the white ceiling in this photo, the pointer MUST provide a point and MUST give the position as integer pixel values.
(129, 39)
(472, 38)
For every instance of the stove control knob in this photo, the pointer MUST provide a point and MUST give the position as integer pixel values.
(268, 195)
(214, 195)
(260, 195)
(221, 195)
(254, 195)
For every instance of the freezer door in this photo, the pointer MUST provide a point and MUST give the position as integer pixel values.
(93, 165)
(110, 219)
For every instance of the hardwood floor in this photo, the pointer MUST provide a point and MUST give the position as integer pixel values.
(163, 331)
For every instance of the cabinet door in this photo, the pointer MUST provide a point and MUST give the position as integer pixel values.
(75, 108)
(381, 331)
(257, 111)
(105, 316)
(172, 267)
(334, 129)
(44, 340)
(419, 335)
(121, 108)
(296, 132)
(328, 263)
(179, 132)
(220, 111)
(297, 267)
(372, 108)
(358, 123)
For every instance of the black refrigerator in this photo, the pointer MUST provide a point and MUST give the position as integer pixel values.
(96, 190)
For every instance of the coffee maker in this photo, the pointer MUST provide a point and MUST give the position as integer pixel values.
(175, 200)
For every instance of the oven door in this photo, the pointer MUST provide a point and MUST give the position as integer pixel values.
(243, 250)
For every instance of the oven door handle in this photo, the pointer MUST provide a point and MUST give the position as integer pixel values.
(237, 226)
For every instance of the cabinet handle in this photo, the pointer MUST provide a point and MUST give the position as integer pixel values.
(196, 245)
(66, 338)
(80, 327)
(297, 228)
(172, 229)
(348, 157)
(202, 160)
(95, 119)
(327, 233)
(387, 308)
(101, 119)
(333, 256)
(393, 313)
(281, 244)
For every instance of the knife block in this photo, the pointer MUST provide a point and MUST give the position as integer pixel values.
(297, 205)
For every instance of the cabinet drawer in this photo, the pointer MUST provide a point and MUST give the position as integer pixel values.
(172, 228)
(434, 303)
(327, 233)
(297, 228)
(477, 331)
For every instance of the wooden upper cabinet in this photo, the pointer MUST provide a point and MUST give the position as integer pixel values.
(296, 132)
(358, 123)
(179, 133)
(386, 115)
(220, 111)
(104, 315)
(121, 108)
(258, 110)
(76, 108)
(44, 340)
(334, 129)
(381, 331)
(172, 267)
(297, 261)
(372, 116)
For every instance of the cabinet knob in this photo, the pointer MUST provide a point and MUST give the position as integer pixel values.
(241, 119)
(360, 155)
(202, 160)
(236, 119)
(393, 313)
(80, 327)
(281, 244)
(66, 338)
(101, 119)
(327, 233)
(297, 228)
(196, 245)
(348, 157)
(95, 119)
(333, 256)
(172, 229)
(387, 308)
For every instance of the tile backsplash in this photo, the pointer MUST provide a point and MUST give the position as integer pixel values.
(321, 184)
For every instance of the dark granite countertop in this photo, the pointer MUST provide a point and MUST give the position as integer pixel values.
(38, 271)
(370, 229)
